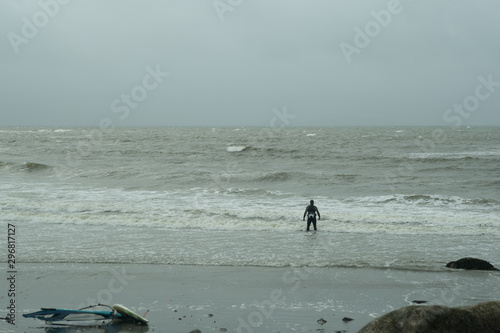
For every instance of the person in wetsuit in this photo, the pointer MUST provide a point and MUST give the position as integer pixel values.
(311, 212)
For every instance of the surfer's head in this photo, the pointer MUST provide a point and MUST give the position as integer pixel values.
(311, 202)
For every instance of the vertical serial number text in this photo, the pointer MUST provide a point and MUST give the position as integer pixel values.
(11, 273)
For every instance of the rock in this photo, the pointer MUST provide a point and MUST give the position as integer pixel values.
(472, 263)
(321, 321)
(484, 318)
(347, 319)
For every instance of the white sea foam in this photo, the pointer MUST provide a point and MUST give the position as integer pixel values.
(234, 211)
(455, 155)
(61, 130)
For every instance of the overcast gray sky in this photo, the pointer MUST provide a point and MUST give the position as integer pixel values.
(232, 62)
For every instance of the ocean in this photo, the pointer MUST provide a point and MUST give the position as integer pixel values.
(402, 198)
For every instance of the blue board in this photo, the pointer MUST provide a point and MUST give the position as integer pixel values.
(74, 317)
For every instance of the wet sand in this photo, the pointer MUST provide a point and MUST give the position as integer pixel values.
(238, 299)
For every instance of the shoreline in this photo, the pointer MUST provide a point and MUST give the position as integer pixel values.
(182, 298)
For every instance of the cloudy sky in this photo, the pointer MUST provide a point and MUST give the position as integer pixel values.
(240, 62)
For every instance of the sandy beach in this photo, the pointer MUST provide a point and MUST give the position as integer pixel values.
(240, 299)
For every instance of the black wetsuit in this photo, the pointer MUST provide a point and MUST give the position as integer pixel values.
(311, 212)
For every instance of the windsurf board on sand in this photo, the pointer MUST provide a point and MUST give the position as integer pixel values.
(127, 313)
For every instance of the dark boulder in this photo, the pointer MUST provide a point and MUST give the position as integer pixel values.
(484, 318)
(472, 263)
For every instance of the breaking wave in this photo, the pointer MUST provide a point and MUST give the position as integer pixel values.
(434, 200)
(26, 166)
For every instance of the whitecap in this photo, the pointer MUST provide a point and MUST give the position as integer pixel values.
(233, 149)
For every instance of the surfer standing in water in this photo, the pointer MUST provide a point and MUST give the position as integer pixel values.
(311, 212)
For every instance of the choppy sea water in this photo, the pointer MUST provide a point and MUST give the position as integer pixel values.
(410, 198)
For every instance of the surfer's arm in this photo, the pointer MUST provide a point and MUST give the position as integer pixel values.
(319, 216)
